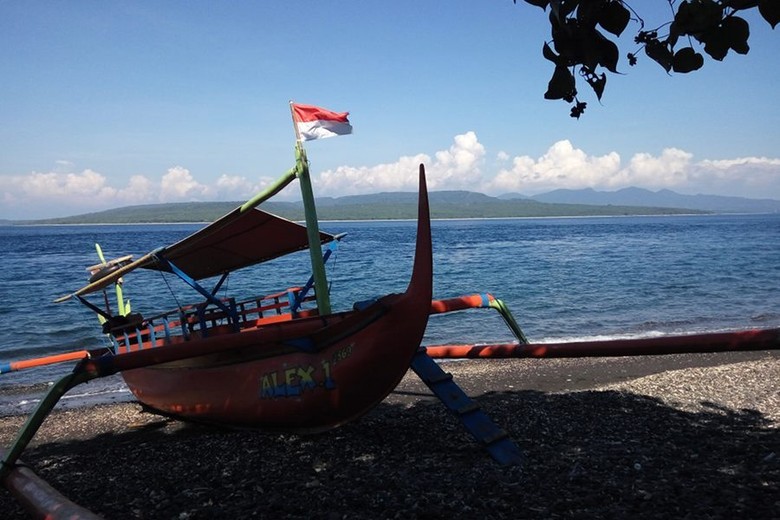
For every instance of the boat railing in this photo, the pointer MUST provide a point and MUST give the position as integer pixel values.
(206, 319)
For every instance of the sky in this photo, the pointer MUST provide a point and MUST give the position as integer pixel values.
(111, 104)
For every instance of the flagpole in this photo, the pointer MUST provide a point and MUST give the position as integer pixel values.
(295, 126)
(312, 224)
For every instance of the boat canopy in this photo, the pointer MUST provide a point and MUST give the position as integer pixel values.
(239, 239)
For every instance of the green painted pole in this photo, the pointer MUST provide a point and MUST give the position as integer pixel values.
(271, 190)
(35, 420)
(313, 231)
(509, 319)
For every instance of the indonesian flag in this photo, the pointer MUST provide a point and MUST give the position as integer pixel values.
(319, 123)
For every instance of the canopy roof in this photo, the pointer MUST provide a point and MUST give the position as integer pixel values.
(239, 239)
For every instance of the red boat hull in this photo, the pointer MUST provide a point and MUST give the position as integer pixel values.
(293, 391)
(307, 374)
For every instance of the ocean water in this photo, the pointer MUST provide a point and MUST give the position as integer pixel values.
(564, 279)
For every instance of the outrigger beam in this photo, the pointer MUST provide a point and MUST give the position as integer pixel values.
(42, 500)
(477, 301)
(79, 375)
(745, 340)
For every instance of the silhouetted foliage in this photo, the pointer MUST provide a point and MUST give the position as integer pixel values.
(579, 45)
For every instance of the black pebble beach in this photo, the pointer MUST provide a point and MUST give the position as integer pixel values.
(684, 436)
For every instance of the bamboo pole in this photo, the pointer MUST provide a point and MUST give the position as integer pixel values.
(270, 191)
(313, 233)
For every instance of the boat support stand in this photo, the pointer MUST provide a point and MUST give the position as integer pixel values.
(495, 440)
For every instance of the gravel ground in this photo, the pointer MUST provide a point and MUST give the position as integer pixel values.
(652, 437)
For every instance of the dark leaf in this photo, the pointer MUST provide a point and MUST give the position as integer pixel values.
(589, 12)
(646, 37)
(598, 85)
(578, 109)
(564, 7)
(697, 17)
(561, 85)
(770, 10)
(659, 53)
(549, 54)
(674, 35)
(716, 43)
(586, 48)
(561, 9)
(741, 4)
(614, 18)
(555, 24)
(596, 82)
(538, 3)
(607, 51)
(687, 60)
(568, 42)
(631, 59)
(736, 31)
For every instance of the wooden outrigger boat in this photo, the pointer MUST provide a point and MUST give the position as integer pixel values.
(273, 362)
(266, 361)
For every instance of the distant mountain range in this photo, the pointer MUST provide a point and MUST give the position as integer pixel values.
(661, 199)
(445, 204)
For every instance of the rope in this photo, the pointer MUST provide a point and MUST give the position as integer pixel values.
(178, 304)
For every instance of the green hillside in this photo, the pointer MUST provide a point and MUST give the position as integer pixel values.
(444, 204)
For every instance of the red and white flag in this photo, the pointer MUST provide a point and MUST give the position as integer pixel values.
(318, 123)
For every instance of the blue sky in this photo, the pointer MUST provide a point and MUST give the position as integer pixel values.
(108, 104)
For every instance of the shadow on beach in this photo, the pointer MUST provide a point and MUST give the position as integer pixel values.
(588, 454)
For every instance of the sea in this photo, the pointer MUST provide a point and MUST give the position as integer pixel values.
(564, 279)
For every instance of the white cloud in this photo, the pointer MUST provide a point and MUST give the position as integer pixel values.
(139, 190)
(456, 168)
(81, 185)
(757, 177)
(350, 180)
(461, 166)
(28, 196)
(233, 184)
(564, 166)
(668, 170)
(179, 185)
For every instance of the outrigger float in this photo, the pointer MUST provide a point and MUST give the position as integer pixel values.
(287, 362)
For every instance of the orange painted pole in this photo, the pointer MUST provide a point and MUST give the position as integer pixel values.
(472, 301)
(760, 339)
(480, 301)
(13, 366)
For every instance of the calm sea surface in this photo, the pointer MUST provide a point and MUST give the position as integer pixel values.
(563, 278)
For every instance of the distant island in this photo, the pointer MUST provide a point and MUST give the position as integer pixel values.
(444, 205)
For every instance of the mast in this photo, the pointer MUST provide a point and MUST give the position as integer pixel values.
(312, 224)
